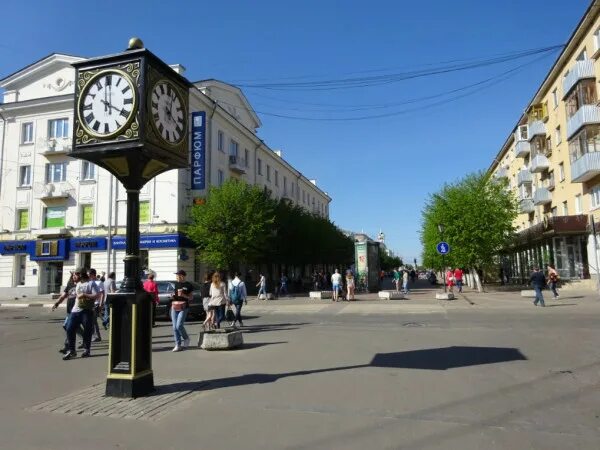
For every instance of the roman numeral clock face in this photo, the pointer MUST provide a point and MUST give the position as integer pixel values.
(168, 114)
(107, 103)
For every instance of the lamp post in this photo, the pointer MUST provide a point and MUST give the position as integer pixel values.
(441, 230)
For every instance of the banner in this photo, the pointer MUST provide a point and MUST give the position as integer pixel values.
(198, 150)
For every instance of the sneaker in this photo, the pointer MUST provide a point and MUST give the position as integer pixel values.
(97, 339)
(177, 348)
(231, 324)
(69, 355)
(186, 342)
(86, 354)
(63, 350)
(80, 346)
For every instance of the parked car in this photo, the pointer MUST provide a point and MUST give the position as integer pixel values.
(166, 290)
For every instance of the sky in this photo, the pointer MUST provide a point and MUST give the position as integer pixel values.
(379, 143)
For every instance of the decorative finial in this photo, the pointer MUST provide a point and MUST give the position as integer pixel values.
(135, 43)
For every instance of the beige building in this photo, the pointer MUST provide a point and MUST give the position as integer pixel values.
(552, 162)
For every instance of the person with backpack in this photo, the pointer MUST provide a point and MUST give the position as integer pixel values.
(237, 297)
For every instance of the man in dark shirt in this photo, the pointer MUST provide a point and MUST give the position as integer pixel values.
(538, 281)
(69, 294)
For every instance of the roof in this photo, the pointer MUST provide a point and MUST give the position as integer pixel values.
(37, 65)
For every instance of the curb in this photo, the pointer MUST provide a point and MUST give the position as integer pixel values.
(30, 305)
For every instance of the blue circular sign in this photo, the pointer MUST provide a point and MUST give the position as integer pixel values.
(443, 248)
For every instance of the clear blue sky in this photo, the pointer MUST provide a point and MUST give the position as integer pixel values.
(379, 172)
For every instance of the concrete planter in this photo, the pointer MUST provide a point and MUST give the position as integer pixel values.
(529, 293)
(444, 296)
(224, 339)
(321, 294)
(391, 295)
(269, 296)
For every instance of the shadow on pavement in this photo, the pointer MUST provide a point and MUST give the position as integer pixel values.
(561, 304)
(427, 359)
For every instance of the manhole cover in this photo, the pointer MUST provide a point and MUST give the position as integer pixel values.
(413, 324)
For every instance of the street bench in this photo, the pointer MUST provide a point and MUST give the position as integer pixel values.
(391, 295)
(223, 339)
(320, 294)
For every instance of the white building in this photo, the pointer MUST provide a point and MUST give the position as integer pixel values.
(57, 213)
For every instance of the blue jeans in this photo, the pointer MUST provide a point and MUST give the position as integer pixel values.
(238, 313)
(459, 285)
(553, 287)
(262, 290)
(106, 316)
(178, 319)
(538, 296)
(283, 290)
(405, 286)
(76, 319)
(219, 315)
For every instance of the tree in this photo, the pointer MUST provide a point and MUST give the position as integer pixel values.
(388, 262)
(477, 214)
(233, 226)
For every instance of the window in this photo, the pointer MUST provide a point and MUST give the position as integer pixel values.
(595, 194)
(233, 148)
(54, 216)
(220, 141)
(555, 98)
(259, 166)
(554, 212)
(561, 172)
(557, 135)
(25, 176)
(220, 177)
(145, 212)
(27, 133)
(284, 185)
(22, 219)
(523, 132)
(276, 178)
(88, 170)
(87, 215)
(303, 197)
(586, 141)
(565, 209)
(268, 173)
(584, 93)
(246, 158)
(58, 128)
(578, 208)
(56, 172)
(293, 189)
(582, 56)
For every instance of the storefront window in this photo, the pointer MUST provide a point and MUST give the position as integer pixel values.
(54, 216)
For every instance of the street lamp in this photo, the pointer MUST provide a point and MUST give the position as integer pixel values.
(441, 230)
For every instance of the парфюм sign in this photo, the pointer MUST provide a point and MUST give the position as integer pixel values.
(199, 150)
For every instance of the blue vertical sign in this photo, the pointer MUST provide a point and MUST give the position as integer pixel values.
(199, 150)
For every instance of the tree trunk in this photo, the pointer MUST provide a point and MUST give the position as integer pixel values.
(477, 281)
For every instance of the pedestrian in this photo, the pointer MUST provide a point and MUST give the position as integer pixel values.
(82, 314)
(413, 276)
(218, 297)
(151, 287)
(553, 277)
(110, 287)
(220, 311)
(180, 305)
(316, 281)
(538, 281)
(450, 279)
(405, 276)
(98, 303)
(238, 297)
(350, 285)
(396, 279)
(262, 287)
(458, 278)
(336, 281)
(206, 291)
(69, 294)
(283, 290)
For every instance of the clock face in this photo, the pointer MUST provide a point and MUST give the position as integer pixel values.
(107, 103)
(168, 114)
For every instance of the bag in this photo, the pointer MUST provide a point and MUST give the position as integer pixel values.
(229, 315)
(235, 295)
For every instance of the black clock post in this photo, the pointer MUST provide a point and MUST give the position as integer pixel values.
(122, 125)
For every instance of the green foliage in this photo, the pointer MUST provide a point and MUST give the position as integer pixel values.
(477, 213)
(234, 225)
(388, 262)
(240, 223)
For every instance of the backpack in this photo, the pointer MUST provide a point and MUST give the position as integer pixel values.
(235, 295)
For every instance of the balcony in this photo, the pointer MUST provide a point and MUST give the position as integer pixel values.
(522, 149)
(580, 71)
(539, 164)
(51, 191)
(237, 164)
(586, 115)
(585, 168)
(526, 205)
(541, 196)
(502, 172)
(50, 147)
(524, 176)
(536, 128)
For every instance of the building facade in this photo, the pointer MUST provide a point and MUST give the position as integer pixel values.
(58, 213)
(552, 162)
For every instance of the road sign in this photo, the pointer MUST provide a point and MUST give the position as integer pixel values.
(443, 248)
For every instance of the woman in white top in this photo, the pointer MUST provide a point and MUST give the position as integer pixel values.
(218, 297)
(350, 285)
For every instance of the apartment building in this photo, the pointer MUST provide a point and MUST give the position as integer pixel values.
(58, 213)
(552, 162)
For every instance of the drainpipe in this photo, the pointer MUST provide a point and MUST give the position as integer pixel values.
(2, 151)
(209, 144)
